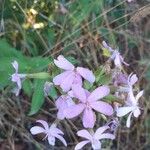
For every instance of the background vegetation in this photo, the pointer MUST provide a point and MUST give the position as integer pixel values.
(33, 32)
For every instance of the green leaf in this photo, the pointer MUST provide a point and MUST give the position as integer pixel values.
(27, 87)
(53, 93)
(38, 97)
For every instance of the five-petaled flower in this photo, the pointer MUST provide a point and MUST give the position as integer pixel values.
(115, 56)
(87, 102)
(51, 132)
(130, 107)
(16, 77)
(71, 75)
(94, 138)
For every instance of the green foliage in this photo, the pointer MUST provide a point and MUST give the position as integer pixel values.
(38, 96)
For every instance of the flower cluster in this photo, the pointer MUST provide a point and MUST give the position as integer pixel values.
(76, 101)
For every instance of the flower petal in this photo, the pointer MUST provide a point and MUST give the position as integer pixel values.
(61, 139)
(106, 136)
(44, 123)
(136, 112)
(102, 107)
(99, 131)
(36, 130)
(77, 79)
(122, 111)
(129, 120)
(81, 144)
(73, 110)
(67, 82)
(117, 60)
(79, 92)
(88, 118)
(60, 78)
(99, 93)
(84, 133)
(51, 140)
(139, 95)
(15, 65)
(86, 74)
(96, 144)
(132, 79)
(63, 63)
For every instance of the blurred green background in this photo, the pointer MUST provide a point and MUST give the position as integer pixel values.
(33, 32)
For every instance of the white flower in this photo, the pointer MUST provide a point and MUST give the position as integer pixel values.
(115, 56)
(51, 132)
(94, 138)
(131, 107)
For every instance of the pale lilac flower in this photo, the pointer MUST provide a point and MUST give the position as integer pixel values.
(115, 56)
(16, 77)
(131, 107)
(93, 138)
(71, 75)
(62, 103)
(51, 132)
(87, 102)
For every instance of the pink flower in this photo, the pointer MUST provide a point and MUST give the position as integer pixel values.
(131, 107)
(62, 103)
(94, 138)
(51, 132)
(115, 56)
(71, 75)
(87, 102)
(16, 77)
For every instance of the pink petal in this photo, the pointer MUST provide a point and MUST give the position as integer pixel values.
(61, 102)
(15, 65)
(122, 111)
(63, 63)
(36, 130)
(60, 78)
(44, 123)
(88, 118)
(106, 136)
(99, 93)
(129, 120)
(132, 79)
(61, 139)
(77, 79)
(102, 107)
(99, 131)
(79, 93)
(74, 110)
(80, 145)
(51, 140)
(84, 133)
(86, 74)
(67, 82)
